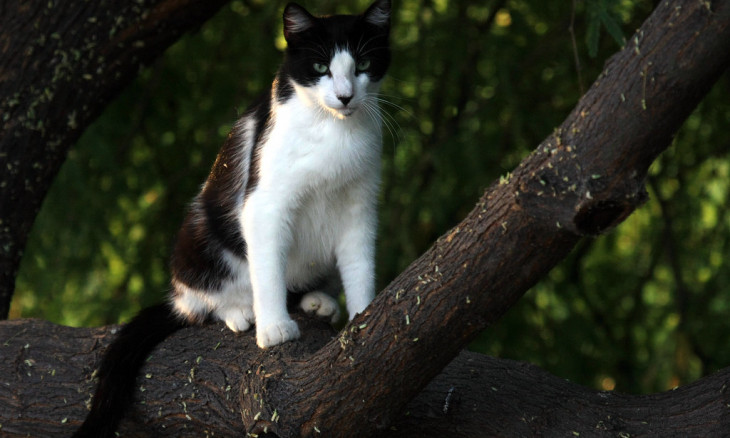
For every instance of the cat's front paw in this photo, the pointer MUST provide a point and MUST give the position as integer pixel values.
(276, 333)
(322, 305)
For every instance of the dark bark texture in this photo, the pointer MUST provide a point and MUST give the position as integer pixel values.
(585, 178)
(61, 63)
(191, 386)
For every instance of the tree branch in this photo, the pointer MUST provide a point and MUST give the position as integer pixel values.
(61, 63)
(190, 387)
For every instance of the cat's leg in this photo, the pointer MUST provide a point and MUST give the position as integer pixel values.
(355, 254)
(268, 239)
(358, 277)
(234, 302)
(322, 305)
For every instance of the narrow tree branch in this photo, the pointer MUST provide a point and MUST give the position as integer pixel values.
(576, 55)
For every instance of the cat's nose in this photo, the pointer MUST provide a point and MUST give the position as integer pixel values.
(345, 99)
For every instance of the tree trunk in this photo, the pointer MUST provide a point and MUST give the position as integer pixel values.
(583, 179)
(61, 63)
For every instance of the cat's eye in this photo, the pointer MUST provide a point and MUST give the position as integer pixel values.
(320, 68)
(363, 65)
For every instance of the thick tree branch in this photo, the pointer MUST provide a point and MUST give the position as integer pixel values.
(61, 63)
(190, 387)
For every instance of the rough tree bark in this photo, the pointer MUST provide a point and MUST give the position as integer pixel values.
(61, 63)
(190, 387)
(583, 179)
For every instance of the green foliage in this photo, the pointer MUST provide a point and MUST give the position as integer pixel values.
(473, 88)
(600, 13)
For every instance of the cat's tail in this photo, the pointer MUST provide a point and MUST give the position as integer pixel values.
(121, 364)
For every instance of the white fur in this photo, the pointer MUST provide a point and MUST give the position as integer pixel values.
(314, 208)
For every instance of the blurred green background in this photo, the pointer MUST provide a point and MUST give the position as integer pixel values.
(473, 88)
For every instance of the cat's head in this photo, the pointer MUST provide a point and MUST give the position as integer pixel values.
(336, 62)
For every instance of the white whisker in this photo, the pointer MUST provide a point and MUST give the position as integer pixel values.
(371, 107)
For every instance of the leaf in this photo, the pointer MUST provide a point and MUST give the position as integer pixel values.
(613, 28)
(598, 14)
(592, 36)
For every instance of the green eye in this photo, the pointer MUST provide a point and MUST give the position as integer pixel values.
(363, 65)
(320, 68)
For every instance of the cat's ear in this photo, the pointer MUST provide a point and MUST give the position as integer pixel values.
(378, 14)
(296, 20)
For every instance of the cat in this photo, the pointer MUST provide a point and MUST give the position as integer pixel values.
(289, 207)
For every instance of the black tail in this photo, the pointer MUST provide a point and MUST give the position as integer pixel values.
(121, 364)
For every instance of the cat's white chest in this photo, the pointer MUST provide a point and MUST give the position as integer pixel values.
(313, 148)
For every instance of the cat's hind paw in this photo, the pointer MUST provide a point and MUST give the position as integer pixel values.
(277, 333)
(321, 305)
(237, 319)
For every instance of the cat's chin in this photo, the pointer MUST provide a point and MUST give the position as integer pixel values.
(342, 113)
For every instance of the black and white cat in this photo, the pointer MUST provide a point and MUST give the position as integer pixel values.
(289, 205)
(290, 202)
